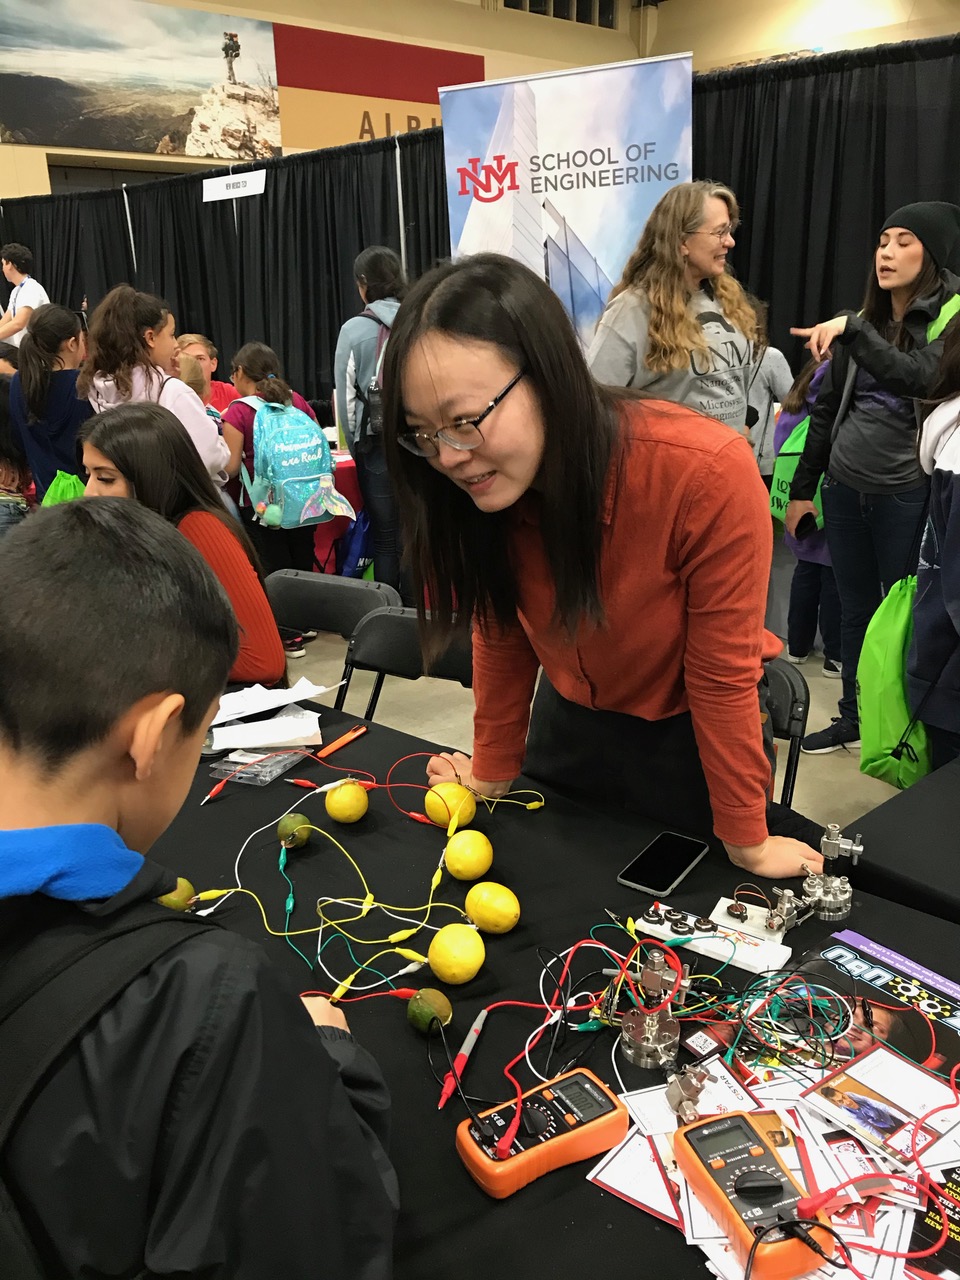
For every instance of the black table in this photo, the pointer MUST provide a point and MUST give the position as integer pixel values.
(912, 846)
(562, 862)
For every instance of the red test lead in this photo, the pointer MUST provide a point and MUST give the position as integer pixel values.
(460, 1061)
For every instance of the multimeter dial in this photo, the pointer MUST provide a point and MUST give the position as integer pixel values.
(758, 1185)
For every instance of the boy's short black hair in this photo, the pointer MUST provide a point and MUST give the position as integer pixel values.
(104, 603)
(19, 255)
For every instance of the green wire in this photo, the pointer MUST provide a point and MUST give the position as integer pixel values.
(286, 925)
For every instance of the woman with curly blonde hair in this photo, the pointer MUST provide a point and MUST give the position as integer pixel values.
(678, 324)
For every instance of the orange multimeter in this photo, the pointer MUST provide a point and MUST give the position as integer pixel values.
(570, 1118)
(737, 1175)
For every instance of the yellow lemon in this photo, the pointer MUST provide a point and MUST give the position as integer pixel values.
(456, 953)
(448, 800)
(492, 907)
(181, 897)
(346, 802)
(428, 1007)
(468, 855)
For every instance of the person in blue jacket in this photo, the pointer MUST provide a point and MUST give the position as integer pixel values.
(44, 407)
(381, 284)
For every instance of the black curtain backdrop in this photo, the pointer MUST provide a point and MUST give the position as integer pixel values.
(819, 151)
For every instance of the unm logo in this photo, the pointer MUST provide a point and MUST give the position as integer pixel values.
(490, 181)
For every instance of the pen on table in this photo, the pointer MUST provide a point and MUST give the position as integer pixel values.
(460, 1061)
(357, 731)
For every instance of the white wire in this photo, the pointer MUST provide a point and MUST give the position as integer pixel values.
(355, 902)
(537, 1031)
(613, 1063)
(208, 911)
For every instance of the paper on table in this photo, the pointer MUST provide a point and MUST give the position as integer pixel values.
(633, 1172)
(252, 701)
(653, 1114)
(293, 727)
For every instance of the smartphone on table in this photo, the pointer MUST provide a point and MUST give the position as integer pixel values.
(663, 864)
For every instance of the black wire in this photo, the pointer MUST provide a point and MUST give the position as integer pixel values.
(439, 1078)
(562, 992)
(483, 1128)
(785, 1227)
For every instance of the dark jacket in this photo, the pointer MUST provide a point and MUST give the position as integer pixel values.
(905, 373)
(203, 1127)
(51, 442)
(933, 665)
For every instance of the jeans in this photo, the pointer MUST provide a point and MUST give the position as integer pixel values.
(11, 514)
(814, 601)
(874, 541)
(380, 504)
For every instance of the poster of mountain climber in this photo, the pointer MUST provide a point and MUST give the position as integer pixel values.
(120, 75)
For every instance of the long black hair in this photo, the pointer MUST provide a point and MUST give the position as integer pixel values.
(878, 305)
(380, 271)
(13, 461)
(49, 327)
(460, 556)
(261, 364)
(150, 448)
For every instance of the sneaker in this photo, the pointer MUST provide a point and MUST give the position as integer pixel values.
(841, 734)
(309, 635)
(831, 669)
(798, 659)
(294, 649)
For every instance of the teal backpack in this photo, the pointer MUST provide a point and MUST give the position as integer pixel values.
(292, 482)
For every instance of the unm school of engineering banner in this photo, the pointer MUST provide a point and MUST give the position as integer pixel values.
(561, 171)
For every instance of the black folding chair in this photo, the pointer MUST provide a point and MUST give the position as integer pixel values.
(323, 602)
(387, 641)
(788, 705)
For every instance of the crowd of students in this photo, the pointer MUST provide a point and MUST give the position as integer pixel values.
(600, 518)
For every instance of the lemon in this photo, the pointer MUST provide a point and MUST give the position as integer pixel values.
(492, 907)
(426, 1008)
(293, 830)
(468, 855)
(181, 897)
(448, 800)
(456, 953)
(347, 802)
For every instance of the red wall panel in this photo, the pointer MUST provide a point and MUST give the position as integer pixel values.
(311, 59)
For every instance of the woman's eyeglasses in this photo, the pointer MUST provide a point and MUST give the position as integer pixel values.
(463, 434)
(721, 233)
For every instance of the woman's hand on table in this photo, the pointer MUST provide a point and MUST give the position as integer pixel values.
(454, 766)
(778, 858)
(323, 1013)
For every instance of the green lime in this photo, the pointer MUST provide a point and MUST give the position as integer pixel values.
(428, 1005)
(293, 830)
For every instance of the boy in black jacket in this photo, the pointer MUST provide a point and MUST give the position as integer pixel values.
(201, 1125)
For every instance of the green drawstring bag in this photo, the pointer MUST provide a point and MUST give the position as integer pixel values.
(63, 488)
(893, 743)
(784, 469)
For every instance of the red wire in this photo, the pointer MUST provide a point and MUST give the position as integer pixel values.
(402, 993)
(924, 1184)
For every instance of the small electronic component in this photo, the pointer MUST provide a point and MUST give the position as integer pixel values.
(738, 910)
(650, 1037)
(573, 1117)
(684, 1090)
(738, 1176)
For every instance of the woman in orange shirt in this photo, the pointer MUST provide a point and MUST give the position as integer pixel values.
(621, 544)
(142, 451)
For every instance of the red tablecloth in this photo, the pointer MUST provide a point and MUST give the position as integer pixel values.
(345, 478)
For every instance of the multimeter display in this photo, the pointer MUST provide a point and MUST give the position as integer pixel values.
(738, 1177)
(571, 1118)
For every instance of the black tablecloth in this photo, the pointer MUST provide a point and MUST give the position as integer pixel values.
(562, 861)
(912, 845)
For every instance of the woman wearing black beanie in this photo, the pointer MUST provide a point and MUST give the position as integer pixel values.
(863, 431)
